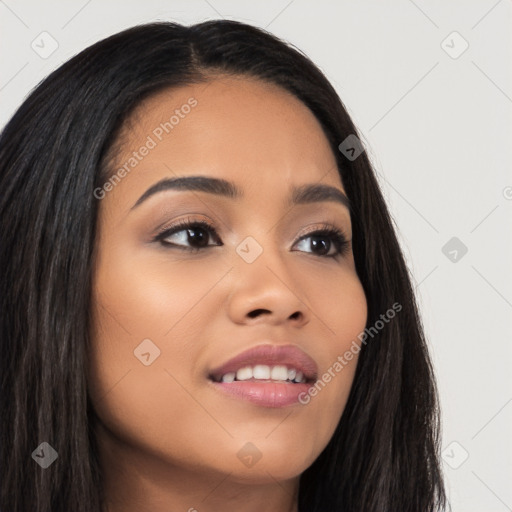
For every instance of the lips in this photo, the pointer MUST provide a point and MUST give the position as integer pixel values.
(268, 375)
(272, 356)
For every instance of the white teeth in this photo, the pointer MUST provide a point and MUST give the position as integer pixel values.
(261, 371)
(265, 372)
(229, 377)
(279, 373)
(244, 373)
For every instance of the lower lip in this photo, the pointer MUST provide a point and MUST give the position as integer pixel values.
(265, 394)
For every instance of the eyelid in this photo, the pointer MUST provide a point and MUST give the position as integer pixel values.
(321, 226)
(190, 219)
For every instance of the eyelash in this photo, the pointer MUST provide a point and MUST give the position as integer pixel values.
(334, 234)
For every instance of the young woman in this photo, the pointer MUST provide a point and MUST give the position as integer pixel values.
(204, 305)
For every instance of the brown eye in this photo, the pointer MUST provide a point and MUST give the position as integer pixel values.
(196, 234)
(327, 243)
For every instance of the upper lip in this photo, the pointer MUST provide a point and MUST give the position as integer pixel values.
(270, 354)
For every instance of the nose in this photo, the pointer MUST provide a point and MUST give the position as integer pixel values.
(264, 292)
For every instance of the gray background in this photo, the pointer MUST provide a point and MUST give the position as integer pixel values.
(436, 122)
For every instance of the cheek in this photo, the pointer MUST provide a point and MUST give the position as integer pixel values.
(138, 373)
(341, 311)
(150, 293)
(148, 315)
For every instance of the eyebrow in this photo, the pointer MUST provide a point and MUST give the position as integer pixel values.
(303, 194)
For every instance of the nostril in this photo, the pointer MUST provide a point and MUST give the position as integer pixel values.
(256, 312)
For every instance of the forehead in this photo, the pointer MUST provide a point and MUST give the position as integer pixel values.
(244, 130)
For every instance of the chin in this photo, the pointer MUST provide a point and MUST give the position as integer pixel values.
(265, 461)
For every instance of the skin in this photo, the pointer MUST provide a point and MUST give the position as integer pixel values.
(167, 439)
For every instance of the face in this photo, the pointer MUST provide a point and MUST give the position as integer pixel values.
(176, 308)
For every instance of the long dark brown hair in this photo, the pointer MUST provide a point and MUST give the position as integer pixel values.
(384, 454)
